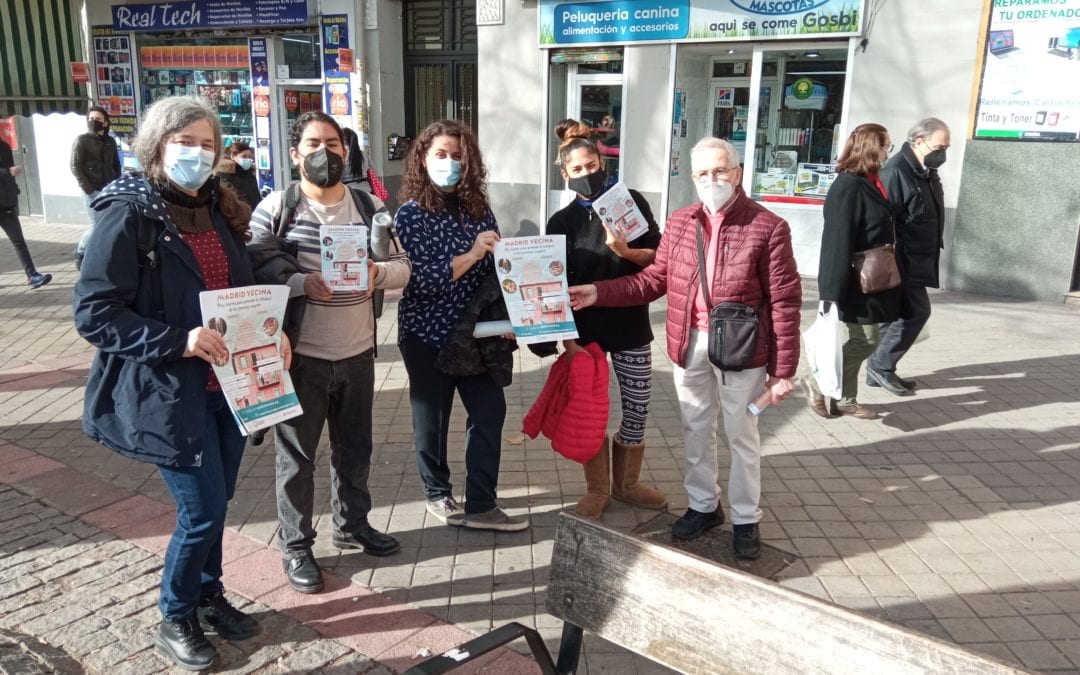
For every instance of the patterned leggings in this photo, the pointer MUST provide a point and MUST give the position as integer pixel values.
(633, 369)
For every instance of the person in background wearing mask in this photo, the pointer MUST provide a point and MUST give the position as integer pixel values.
(595, 253)
(153, 352)
(858, 217)
(334, 367)
(748, 260)
(95, 161)
(9, 216)
(449, 232)
(911, 179)
(238, 172)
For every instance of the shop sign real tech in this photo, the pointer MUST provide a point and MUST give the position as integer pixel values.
(601, 22)
(189, 14)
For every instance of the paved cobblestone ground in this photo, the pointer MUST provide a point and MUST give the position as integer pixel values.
(957, 514)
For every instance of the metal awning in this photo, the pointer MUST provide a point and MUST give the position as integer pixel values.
(38, 41)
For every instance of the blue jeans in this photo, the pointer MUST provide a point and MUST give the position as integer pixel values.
(202, 494)
(341, 393)
(431, 393)
(87, 198)
(898, 336)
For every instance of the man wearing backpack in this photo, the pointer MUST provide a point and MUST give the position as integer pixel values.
(333, 336)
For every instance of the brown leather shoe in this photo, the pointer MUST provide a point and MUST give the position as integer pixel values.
(857, 410)
(814, 399)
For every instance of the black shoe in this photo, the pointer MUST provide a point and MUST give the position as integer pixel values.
(216, 614)
(303, 573)
(747, 541)
(183, 641)
(368, 539)
(37, 280)
(887, 381)
(694, 523)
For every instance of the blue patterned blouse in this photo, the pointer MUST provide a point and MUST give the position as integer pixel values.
(433, 303)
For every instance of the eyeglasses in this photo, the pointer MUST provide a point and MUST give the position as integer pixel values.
(888, 148)
(715, 174)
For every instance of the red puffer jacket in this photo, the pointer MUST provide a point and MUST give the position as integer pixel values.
(756, 268)
(572, 408)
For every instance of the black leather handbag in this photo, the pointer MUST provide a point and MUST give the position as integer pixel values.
(733, 326)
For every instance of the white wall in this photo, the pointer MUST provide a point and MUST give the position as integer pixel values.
(511, 96)
(920, 62)
(692, 76)
(644, 151)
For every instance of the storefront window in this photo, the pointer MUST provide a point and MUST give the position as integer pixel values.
(301, 54)
(217, 70)
(798, 125)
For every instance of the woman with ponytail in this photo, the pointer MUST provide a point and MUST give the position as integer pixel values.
(596, 253)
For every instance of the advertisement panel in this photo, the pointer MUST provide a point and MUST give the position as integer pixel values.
(602, 22)
(1030, 71)
(337, 84)
(260, 104)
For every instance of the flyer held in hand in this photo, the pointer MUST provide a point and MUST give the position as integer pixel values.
(253, 378)
(532, 273)
(344, 254)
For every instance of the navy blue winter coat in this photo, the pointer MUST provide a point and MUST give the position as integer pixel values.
(143, 398)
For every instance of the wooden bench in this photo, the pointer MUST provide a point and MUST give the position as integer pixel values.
(695, 616)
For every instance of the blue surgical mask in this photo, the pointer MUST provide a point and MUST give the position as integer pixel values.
(444, 172)
(188, 166)
(245, 163)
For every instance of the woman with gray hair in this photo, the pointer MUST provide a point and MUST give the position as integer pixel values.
(162, 238)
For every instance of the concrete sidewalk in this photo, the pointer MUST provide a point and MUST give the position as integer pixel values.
(957, 514)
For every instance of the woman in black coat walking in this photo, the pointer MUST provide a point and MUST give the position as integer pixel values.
(858, 217)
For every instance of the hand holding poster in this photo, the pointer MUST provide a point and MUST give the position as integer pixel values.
(253, 378)
(619, 212)
(532, 273)
(344, 254)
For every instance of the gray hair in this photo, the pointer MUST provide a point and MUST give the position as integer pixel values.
(712, 143)
(164, 118)
(924, 128)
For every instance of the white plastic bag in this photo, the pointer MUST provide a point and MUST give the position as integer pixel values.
(824, 341)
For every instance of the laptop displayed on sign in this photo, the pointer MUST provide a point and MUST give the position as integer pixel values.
(1001, 43)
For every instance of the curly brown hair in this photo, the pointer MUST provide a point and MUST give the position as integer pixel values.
(863, 150)
(471, 189)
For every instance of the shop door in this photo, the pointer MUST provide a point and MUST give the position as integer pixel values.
(294, 100)
(729, 111)
(596, 99)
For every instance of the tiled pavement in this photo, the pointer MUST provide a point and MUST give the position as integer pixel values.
(957, 514)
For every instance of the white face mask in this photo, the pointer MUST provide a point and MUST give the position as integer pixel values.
(715, 194)
(188, 166)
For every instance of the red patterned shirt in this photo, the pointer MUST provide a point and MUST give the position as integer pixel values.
(214, 264)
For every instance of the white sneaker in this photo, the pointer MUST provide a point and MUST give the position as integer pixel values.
(495, 519)
(443, 507)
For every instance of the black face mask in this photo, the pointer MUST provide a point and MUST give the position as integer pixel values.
(96, 126)
(588, 186)
(934, 159)
(324, 168)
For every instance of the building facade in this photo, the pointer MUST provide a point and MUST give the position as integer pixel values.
(784, 81)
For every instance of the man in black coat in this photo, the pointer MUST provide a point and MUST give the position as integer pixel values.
(95, 163)
(911, 179)
(9, 215)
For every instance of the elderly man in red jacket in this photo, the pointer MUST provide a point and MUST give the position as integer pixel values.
(748, 260)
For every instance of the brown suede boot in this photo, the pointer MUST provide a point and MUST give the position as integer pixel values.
(597, 485)
(625, 469)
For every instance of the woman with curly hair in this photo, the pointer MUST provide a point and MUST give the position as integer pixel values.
(160, 240)
(449, 232)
